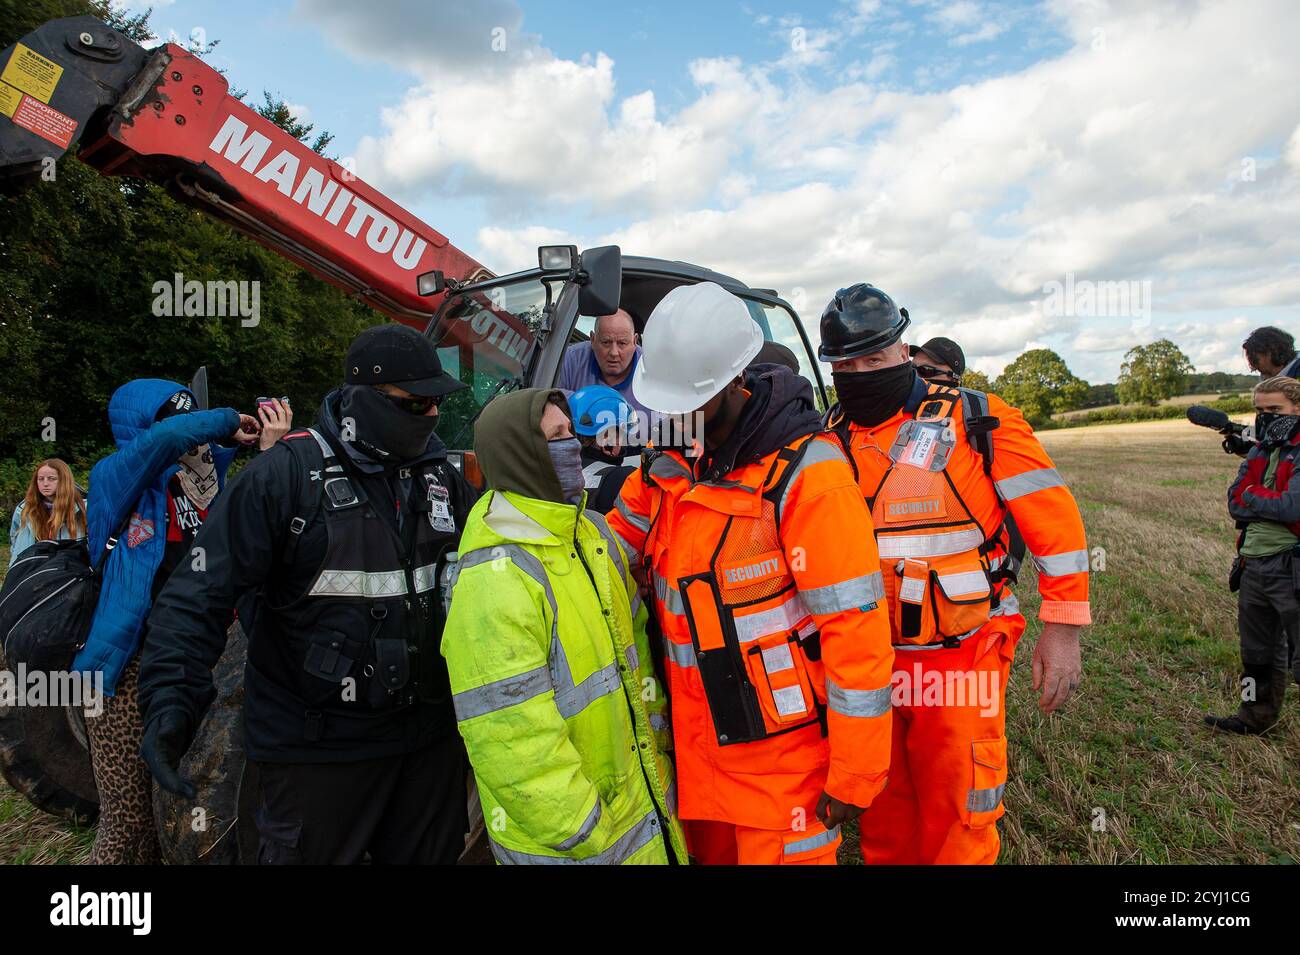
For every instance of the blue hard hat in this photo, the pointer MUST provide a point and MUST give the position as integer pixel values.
(598, 408)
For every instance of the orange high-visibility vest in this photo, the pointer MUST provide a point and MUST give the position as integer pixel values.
(939, 509)
(775, 630)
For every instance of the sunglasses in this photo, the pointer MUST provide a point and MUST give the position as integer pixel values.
(929, 371)
(414, 404)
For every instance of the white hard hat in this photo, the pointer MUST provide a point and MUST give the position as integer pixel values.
(698, 338)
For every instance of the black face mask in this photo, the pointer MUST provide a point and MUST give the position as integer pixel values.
(870, 397)
(1272, 429)
(381, 430)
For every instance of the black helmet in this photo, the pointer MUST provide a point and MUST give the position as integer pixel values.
(860, 319)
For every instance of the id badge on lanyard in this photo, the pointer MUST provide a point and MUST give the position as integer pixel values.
(924, 444)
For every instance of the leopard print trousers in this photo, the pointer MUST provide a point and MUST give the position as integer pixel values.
(126, 834)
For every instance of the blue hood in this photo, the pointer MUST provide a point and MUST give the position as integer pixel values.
(134, 406)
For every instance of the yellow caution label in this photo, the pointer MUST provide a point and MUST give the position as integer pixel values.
(9, 99)
(32, 73)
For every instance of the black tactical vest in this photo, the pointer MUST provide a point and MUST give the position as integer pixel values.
(362, 642)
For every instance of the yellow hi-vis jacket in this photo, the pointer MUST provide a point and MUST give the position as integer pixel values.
(554, 688)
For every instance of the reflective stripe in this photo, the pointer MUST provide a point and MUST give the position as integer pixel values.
(815, 841)
(658, 723)
(326, 451)
(857, 702)
(633, 657)
(581, 836)
(572, 700)
(424, 579)
(1008, 604)
(1058, 565)
(359, 583)
(1019, 485)
(683, 654)
(636, 520)
(611, 544)
(984, 800)
(525, 561)
(783, 617)
(670, 798)
(669, 596)
(927, 545)
(964, 583)
(502, 693)
(815, 452)
(635, 839)
(633, 554)
(846, 595)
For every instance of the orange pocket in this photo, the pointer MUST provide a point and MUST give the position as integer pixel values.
(941, 597)
(988, 781)
(778, 670)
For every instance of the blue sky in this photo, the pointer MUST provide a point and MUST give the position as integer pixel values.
(961, 154)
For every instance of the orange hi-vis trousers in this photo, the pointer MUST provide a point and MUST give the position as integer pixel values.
(721, 843)
(948, 761)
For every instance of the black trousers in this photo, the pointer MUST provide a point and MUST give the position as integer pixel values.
(400, 810)
(1268, 621)
(1268, 611)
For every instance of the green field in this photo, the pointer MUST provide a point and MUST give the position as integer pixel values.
(1130, 744)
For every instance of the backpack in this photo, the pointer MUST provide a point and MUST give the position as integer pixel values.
(47, 603)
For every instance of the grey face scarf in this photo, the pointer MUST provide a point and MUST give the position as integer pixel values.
(566, 458)
(198, 476)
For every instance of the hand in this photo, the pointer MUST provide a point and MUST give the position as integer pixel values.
(277, 419)
(832, 812)
(642, 584)
(166, 740)
(1236, 444)
(1057, 668)
(247, 431)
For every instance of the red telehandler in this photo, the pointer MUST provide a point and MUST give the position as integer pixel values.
(165, 116)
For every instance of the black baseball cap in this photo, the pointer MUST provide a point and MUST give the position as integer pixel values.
(395, 354)
(947, 351)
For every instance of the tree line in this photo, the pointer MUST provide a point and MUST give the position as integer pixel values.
(79, 256)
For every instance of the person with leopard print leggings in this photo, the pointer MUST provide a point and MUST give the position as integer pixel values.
(164, 475)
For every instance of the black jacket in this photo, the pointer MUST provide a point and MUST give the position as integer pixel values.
(252, 560)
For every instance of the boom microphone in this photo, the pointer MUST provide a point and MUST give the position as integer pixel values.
(1212, 418)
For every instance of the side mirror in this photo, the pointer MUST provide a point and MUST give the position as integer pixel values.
(603, 289)
(431, 283)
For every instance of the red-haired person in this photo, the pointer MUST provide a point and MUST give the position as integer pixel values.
(52, 509)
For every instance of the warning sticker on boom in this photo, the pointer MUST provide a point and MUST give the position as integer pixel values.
(45, 121)
(32, 73)
(9, 99)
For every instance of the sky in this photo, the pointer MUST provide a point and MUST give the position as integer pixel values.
(1080, 175)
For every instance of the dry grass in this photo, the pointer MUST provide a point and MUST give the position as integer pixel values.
(1131, 743)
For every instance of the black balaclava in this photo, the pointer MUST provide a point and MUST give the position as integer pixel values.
(872, 397)
(381, 430)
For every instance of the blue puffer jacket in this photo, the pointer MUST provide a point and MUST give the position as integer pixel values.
(133, 480)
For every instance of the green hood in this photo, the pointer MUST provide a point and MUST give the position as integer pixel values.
(510, 446)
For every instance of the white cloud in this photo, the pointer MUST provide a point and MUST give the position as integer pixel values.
(1116, 160)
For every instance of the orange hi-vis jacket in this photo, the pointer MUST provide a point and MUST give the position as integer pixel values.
(775, 630)
(939, 505)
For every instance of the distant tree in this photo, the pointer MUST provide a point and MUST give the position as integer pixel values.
(1099, 396)
(1153, 372)
(976, 380)
(1040, 384)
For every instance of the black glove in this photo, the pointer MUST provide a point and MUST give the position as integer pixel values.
(1236, 444)
(166, 740)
